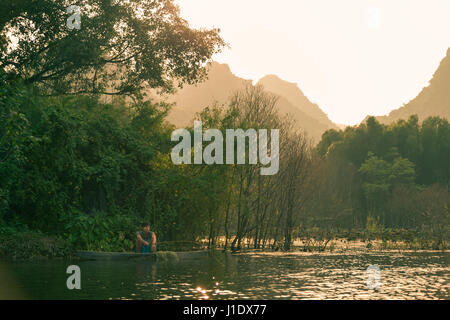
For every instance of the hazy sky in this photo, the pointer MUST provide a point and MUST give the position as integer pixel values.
(351, 57)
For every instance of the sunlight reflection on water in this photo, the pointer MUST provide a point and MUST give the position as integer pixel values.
(407, 275)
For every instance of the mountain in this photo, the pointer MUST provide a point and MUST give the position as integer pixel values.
(295, 96)
(433, 100)
(222, 83)
(189, 100)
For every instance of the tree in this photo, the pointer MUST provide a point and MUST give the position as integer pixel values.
(121, 47)
(329, 137)
(379, 177)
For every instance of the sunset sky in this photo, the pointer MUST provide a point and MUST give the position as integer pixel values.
(351, 57)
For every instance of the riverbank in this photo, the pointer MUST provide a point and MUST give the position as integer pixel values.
(34, 246)
(38, 246)
(344, 245)
(31, 245)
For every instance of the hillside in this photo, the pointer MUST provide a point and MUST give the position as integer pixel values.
(189, 100)
(433, 100)
(222, 83)
(295, 96)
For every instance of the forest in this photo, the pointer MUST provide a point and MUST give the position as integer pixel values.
(85, 155)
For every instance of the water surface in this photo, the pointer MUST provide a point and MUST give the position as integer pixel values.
(406, 275)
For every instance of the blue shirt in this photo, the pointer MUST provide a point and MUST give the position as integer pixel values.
(149, 239)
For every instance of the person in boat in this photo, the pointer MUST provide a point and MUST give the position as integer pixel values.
(145, 239)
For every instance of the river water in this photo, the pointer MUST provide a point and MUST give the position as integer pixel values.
(402, 275)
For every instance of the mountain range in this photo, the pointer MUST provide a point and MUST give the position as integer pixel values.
(222, 83)
(433, 100)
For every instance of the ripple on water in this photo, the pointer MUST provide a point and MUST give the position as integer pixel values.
(407, 275)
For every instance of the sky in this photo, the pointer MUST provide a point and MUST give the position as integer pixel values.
(351, 57)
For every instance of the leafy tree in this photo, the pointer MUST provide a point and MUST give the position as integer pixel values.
(402, 172)
(121, 47)
(376, 173)
(329, 137)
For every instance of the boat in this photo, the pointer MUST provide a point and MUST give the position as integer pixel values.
(153, 256)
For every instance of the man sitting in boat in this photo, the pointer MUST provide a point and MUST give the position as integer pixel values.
(145, 239)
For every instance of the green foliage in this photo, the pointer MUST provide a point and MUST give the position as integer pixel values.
(379, 176)
(121, 46)
(88, 156)
(23, 244)
(103, 161)
(426, 146)
(329, 138)
(402, 180)
(85, 171)
(100, 233)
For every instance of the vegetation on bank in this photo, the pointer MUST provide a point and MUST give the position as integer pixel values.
(82, 166)
(77, 193)
(24, 244)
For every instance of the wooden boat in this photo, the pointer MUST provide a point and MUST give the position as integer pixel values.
(154, 256)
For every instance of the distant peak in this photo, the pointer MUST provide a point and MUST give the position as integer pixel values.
(277, 85)
(222, 66)
(275, 78)
(270, 77)
(433, 100)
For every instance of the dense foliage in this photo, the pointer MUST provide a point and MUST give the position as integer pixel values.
(396, 175)
(79, 167)
(73, 162)
(86, 170)
(119, 47)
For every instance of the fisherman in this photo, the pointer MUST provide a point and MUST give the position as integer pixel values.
(145, 239)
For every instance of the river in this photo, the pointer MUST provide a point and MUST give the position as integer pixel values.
(402, 275)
